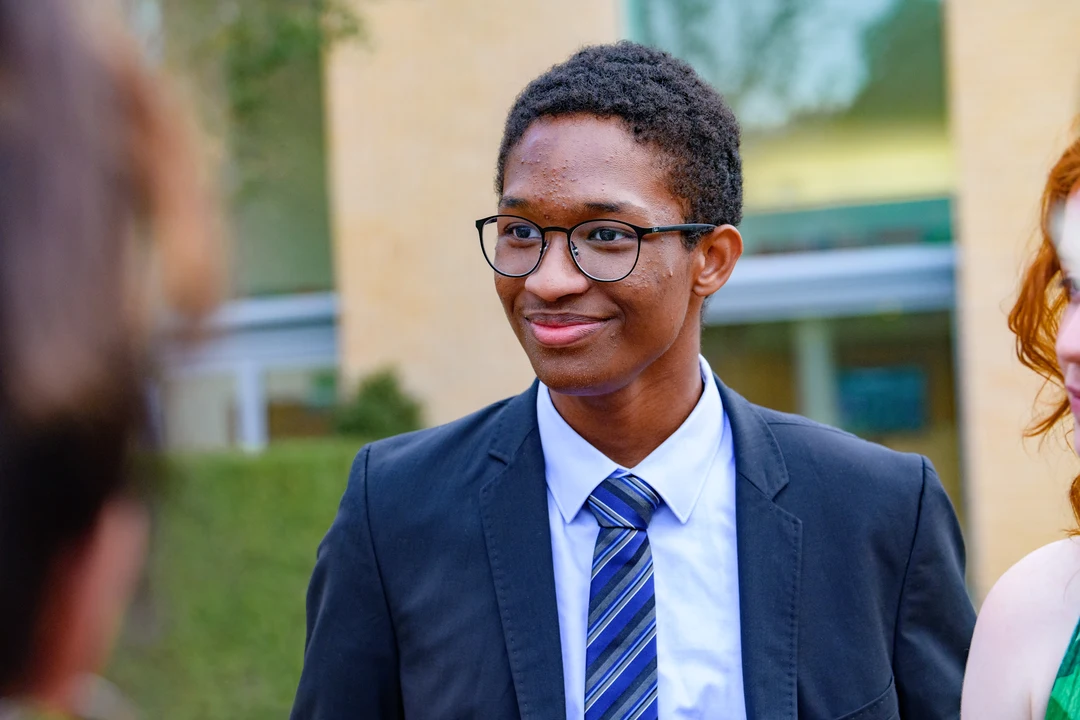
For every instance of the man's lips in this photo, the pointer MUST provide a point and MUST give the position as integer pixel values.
(564, 329)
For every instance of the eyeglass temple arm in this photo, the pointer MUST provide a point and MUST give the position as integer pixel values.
(685, 227)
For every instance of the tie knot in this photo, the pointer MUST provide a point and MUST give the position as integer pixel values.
(623, 501)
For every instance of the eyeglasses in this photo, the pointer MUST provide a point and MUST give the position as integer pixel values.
(603, 250)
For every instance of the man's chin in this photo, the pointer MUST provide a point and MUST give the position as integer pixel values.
(573, 377)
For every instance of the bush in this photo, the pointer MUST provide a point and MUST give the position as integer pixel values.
(379, 409)
(221, 632)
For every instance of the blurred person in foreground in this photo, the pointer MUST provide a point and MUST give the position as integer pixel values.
(1025, 656)
(99, 192)
(630, 538)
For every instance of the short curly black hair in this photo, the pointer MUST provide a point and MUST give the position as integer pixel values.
(663, 102)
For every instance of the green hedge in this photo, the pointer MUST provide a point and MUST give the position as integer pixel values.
(219, 631)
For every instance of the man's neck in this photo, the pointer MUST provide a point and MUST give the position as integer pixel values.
(628, 424)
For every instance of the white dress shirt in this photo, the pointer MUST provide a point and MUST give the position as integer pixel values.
(695, 562)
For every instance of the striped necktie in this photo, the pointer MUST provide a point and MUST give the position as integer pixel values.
(620, 655)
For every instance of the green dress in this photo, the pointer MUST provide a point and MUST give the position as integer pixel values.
(1065, 695)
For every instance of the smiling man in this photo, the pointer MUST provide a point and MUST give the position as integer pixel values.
(630, 538)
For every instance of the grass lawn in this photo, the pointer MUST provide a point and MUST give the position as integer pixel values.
(220, 632)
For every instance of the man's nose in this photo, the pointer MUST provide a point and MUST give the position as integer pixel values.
(557, 275)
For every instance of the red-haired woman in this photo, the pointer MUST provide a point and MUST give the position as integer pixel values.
(1025, 656)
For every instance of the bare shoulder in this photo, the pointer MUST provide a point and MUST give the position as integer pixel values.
(1022, 632)
(1046, 581)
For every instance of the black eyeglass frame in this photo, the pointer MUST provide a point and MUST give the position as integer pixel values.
(544, 244)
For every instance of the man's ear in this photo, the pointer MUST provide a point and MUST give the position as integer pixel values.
(717, 252)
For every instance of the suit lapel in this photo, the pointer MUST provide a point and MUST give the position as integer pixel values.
(515, 516)
(514, 513)
(769, 545)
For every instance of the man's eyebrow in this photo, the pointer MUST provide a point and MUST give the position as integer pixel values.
(614, 207)
(605, 206)
(509, 202)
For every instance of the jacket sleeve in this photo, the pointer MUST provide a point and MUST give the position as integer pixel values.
(350, 658)
(936, 619)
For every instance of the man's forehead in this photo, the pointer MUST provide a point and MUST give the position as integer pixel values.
(584, 164)
(587, 137)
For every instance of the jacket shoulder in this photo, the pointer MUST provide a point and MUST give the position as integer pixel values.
(844, 459)
(420, 484)
(438, 446)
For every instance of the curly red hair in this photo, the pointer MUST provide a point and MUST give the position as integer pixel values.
(1036, 316)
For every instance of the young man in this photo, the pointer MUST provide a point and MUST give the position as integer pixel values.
(630, 538)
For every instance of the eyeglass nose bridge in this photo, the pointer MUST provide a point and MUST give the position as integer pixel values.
(571, 247)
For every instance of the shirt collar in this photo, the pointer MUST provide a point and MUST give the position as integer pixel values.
(677, 470)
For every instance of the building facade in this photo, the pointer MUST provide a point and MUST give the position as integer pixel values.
(893, 157)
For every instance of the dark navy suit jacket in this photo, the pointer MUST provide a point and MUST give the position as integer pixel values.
(433, 596)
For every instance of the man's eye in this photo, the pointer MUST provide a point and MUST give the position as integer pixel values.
(523, 232)
(608, 234)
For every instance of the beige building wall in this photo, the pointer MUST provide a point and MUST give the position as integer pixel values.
(414, 123)
(1015, 77)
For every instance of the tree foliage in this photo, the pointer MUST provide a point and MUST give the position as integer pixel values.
(262, 38)
(380, 408)
(235, 52)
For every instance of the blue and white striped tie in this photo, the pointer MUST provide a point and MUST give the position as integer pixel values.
(620, 655)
